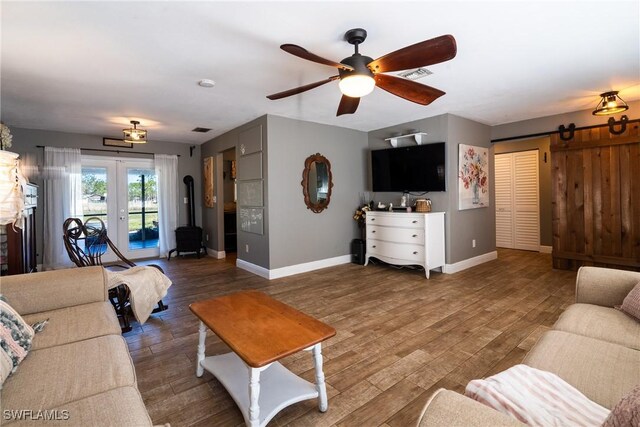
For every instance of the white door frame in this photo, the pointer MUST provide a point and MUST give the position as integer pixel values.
(117, 203)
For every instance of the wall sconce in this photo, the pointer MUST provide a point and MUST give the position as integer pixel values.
(610, 103)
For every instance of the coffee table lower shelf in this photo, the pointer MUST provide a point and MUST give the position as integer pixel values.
(278, 387)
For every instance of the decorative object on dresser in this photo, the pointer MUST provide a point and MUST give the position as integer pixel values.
(189, 238)
(317, 182)
(406, 239)
(473, 177)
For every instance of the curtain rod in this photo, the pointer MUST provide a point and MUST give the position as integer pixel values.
(533, 135)
(113, 151)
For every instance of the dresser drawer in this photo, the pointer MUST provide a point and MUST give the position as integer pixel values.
(396, 220)
(396, 250)
(392, 234)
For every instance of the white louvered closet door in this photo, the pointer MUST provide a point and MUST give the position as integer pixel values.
(517, 201)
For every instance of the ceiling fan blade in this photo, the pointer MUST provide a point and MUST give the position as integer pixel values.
(408, 89)
(421, 54)
(303, 53)
(348, 105)
(300, 89)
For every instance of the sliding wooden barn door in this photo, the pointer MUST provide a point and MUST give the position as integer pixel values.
(596, 199)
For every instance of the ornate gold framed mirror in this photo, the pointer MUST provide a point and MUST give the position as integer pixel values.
(317, 182)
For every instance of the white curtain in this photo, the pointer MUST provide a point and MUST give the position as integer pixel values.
(62, 175)
(167, 173)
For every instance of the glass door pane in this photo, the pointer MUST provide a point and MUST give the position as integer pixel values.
(94, 202)
(142, 207)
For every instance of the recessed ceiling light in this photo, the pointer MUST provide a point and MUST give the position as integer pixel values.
(207, 83)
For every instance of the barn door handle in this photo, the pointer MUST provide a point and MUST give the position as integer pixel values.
(623, 125)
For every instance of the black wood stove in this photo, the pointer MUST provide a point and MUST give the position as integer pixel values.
(189, 238)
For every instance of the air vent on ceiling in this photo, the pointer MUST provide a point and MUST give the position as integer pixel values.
(201, 130)
(416, 74)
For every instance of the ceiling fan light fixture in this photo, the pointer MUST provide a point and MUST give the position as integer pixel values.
(610, 103)
(135, 135)
(357, 85)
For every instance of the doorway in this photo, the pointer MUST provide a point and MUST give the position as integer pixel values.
(123, 194)
(517, 200)
(230, 196)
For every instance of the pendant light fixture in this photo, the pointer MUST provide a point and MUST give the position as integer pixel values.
(135, 135)
(610, 103)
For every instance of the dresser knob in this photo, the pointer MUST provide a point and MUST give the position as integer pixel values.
(415, 235)
(414, 222)
(373, 219)
(414, 252)
(373, 246)
(373, 231)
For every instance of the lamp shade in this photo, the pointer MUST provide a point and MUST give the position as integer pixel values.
(135, 135)
(11, 196)
(356, 85)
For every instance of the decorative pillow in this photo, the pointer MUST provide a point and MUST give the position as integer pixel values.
(15, 339)
(631, 303)
(626, 412)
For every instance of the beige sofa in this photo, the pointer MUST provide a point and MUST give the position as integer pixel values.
(592, 346)
(79, 367)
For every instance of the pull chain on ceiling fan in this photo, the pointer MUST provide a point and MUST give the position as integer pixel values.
(359, 74)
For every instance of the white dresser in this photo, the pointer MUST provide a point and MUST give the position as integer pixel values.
(406, 238)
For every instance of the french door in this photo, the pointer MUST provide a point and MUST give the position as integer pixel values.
(123, 194)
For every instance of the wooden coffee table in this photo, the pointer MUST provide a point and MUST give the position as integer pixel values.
(261, 331)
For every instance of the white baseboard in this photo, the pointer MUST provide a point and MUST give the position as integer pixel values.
(545, 249)
(252, 268)
(290, 270)
(216, 254)
(470, 262)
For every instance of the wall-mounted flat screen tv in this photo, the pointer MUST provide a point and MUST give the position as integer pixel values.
(418, 168)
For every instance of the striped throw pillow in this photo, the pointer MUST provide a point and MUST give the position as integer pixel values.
(15, 339)
(631, 303)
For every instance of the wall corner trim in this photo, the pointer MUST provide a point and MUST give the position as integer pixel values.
(546, 249)
(216, 254)
(290, 270)
(470, 262)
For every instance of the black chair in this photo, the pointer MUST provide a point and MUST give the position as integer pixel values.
(86, 244)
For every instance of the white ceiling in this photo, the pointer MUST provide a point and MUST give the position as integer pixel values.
(90, 67)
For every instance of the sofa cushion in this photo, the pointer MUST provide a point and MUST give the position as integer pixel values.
(53, 376)
(602, 371)
(118, 407)
(16, 337)
(75, 323)
(598, 322)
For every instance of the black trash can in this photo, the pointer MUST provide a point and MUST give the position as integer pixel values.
(357, 251)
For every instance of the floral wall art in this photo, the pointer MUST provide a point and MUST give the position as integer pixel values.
(473, 177)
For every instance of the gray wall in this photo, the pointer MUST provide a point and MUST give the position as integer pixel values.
(298, 235)
(551, 123)
(478, 224)
(25, 143)
(461, 226)
(213, 218)
(544, 173)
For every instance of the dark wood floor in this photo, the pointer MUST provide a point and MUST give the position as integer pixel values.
(400, 336)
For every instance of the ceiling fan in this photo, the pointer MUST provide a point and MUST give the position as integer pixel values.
(359, 74)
